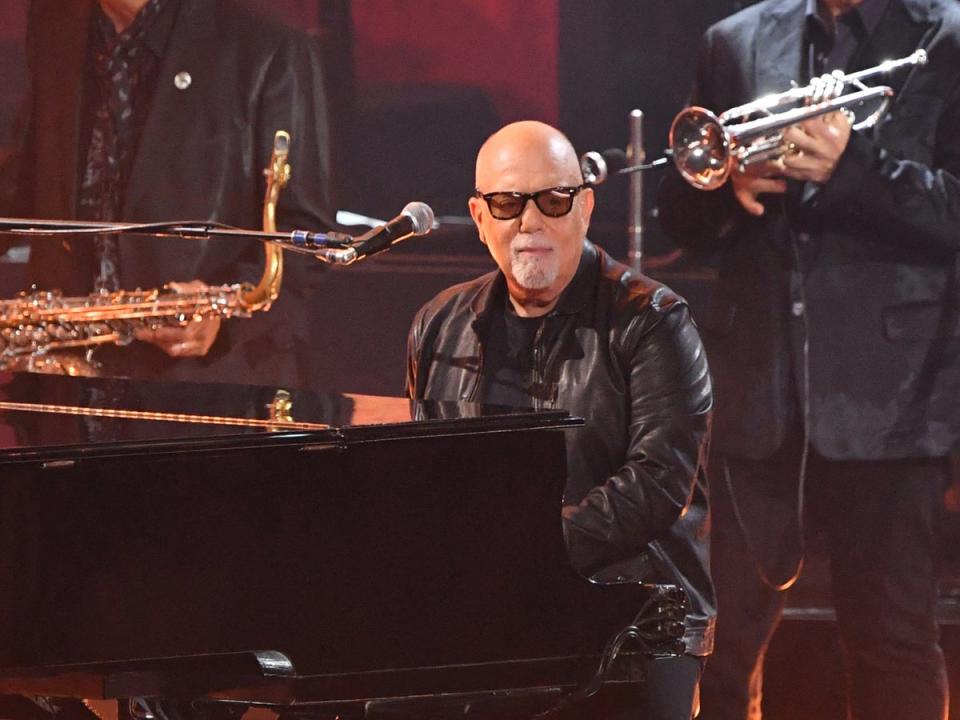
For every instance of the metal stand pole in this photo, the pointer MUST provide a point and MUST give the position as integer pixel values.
(636, 155)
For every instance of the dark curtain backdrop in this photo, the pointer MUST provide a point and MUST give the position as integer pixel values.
(415, 88)
(419, 85)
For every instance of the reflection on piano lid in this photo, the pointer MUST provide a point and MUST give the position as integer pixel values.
(399, 555)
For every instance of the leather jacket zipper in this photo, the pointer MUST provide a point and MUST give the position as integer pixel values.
(538, 370)
(472, 395)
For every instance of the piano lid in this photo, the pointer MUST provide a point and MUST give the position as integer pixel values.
(351, 549)
(43, 412)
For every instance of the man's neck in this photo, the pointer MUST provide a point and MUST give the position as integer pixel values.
(838, 7)
(121, 12)
(532, 306)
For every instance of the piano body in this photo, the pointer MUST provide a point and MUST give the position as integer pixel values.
(385, 556)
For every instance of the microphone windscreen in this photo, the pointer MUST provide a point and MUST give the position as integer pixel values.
(598, 167)
(421, 217)
(616, 160)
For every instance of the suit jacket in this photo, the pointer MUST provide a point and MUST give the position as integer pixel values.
(200, 157)
(844, 307)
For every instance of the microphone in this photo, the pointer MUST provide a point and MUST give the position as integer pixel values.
(598, 167)
(416, 218)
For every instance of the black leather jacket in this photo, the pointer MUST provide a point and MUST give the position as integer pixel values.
(627, 357)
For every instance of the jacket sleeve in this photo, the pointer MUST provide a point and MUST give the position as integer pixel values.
(11, 170)
(415, 361)
(694, 219)
(294, 98)
(670, 400)
(14, 166)
(900, 200)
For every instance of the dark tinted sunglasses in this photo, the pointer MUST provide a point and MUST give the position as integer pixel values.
(552, 202)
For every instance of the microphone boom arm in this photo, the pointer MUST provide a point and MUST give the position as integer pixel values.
(332, 247)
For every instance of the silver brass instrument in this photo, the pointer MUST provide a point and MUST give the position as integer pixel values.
(706, 147)
(39, 329)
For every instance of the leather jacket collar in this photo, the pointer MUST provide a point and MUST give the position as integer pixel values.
(573, 299)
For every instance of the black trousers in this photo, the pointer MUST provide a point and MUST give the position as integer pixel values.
(880, 522)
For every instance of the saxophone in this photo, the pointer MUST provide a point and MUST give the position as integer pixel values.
(43, 331)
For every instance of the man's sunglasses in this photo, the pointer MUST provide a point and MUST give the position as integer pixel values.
(552, 202)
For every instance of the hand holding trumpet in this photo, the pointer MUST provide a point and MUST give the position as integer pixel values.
(814, 147)
(760, 141)
(813, 150)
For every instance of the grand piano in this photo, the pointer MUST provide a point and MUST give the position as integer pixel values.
(320, 555)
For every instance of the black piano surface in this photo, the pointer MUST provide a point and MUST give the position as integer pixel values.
(398, 550)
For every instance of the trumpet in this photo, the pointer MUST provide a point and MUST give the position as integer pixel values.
(706, 147)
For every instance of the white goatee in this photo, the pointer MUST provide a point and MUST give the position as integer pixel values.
(534, 271)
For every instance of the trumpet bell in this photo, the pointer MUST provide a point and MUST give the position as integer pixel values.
(701, 148)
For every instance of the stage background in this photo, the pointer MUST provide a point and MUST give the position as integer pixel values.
(415, 88)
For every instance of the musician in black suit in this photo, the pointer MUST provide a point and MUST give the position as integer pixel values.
(153, 110)
(834, 341)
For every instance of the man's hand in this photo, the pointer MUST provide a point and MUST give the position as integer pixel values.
(756, 180)
(815, 147)
(192, 340)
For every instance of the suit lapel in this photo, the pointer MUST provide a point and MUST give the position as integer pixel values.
(59, 93)
(779, 47)
(174, 110)
(905, 26)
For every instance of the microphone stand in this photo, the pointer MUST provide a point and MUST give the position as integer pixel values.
(326, 247)
(597, 169)
(637, 154)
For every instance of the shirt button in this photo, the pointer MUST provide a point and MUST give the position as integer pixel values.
(804, 237)
(182, 80)
(797, 308)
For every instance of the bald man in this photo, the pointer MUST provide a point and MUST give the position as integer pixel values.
(562, 325)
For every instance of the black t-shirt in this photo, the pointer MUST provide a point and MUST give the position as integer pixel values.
(512, 358)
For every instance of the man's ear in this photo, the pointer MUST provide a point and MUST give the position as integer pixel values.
(477, 207)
